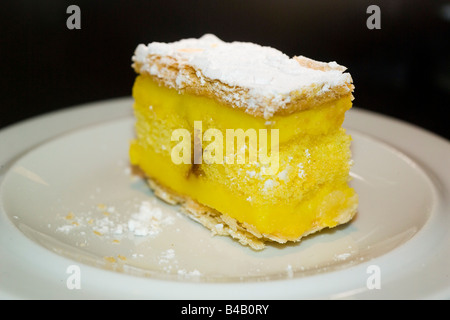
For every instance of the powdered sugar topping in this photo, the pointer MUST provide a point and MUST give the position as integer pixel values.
(266, 73)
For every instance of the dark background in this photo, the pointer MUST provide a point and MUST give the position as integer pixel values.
(402, 70)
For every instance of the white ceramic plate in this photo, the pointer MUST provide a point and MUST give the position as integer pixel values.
(70, 210)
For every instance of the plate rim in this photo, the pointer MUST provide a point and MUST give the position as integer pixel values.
(94, 113)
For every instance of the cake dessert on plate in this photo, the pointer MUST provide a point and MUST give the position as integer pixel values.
(248, 141)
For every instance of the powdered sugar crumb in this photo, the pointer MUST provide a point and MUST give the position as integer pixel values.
(148, 220)
(167, 256)
(301, 171)
(66, 228)
(184, 272)
(289, 271)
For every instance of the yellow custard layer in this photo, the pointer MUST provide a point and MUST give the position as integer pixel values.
(309, 190)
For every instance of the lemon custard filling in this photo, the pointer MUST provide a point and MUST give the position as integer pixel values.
(254, 160)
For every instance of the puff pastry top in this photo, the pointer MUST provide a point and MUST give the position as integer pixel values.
(260, 80)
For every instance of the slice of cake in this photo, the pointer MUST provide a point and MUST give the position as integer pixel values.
(247, 140)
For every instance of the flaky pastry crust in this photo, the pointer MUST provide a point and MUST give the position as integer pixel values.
(175, 71)
(223, 225)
